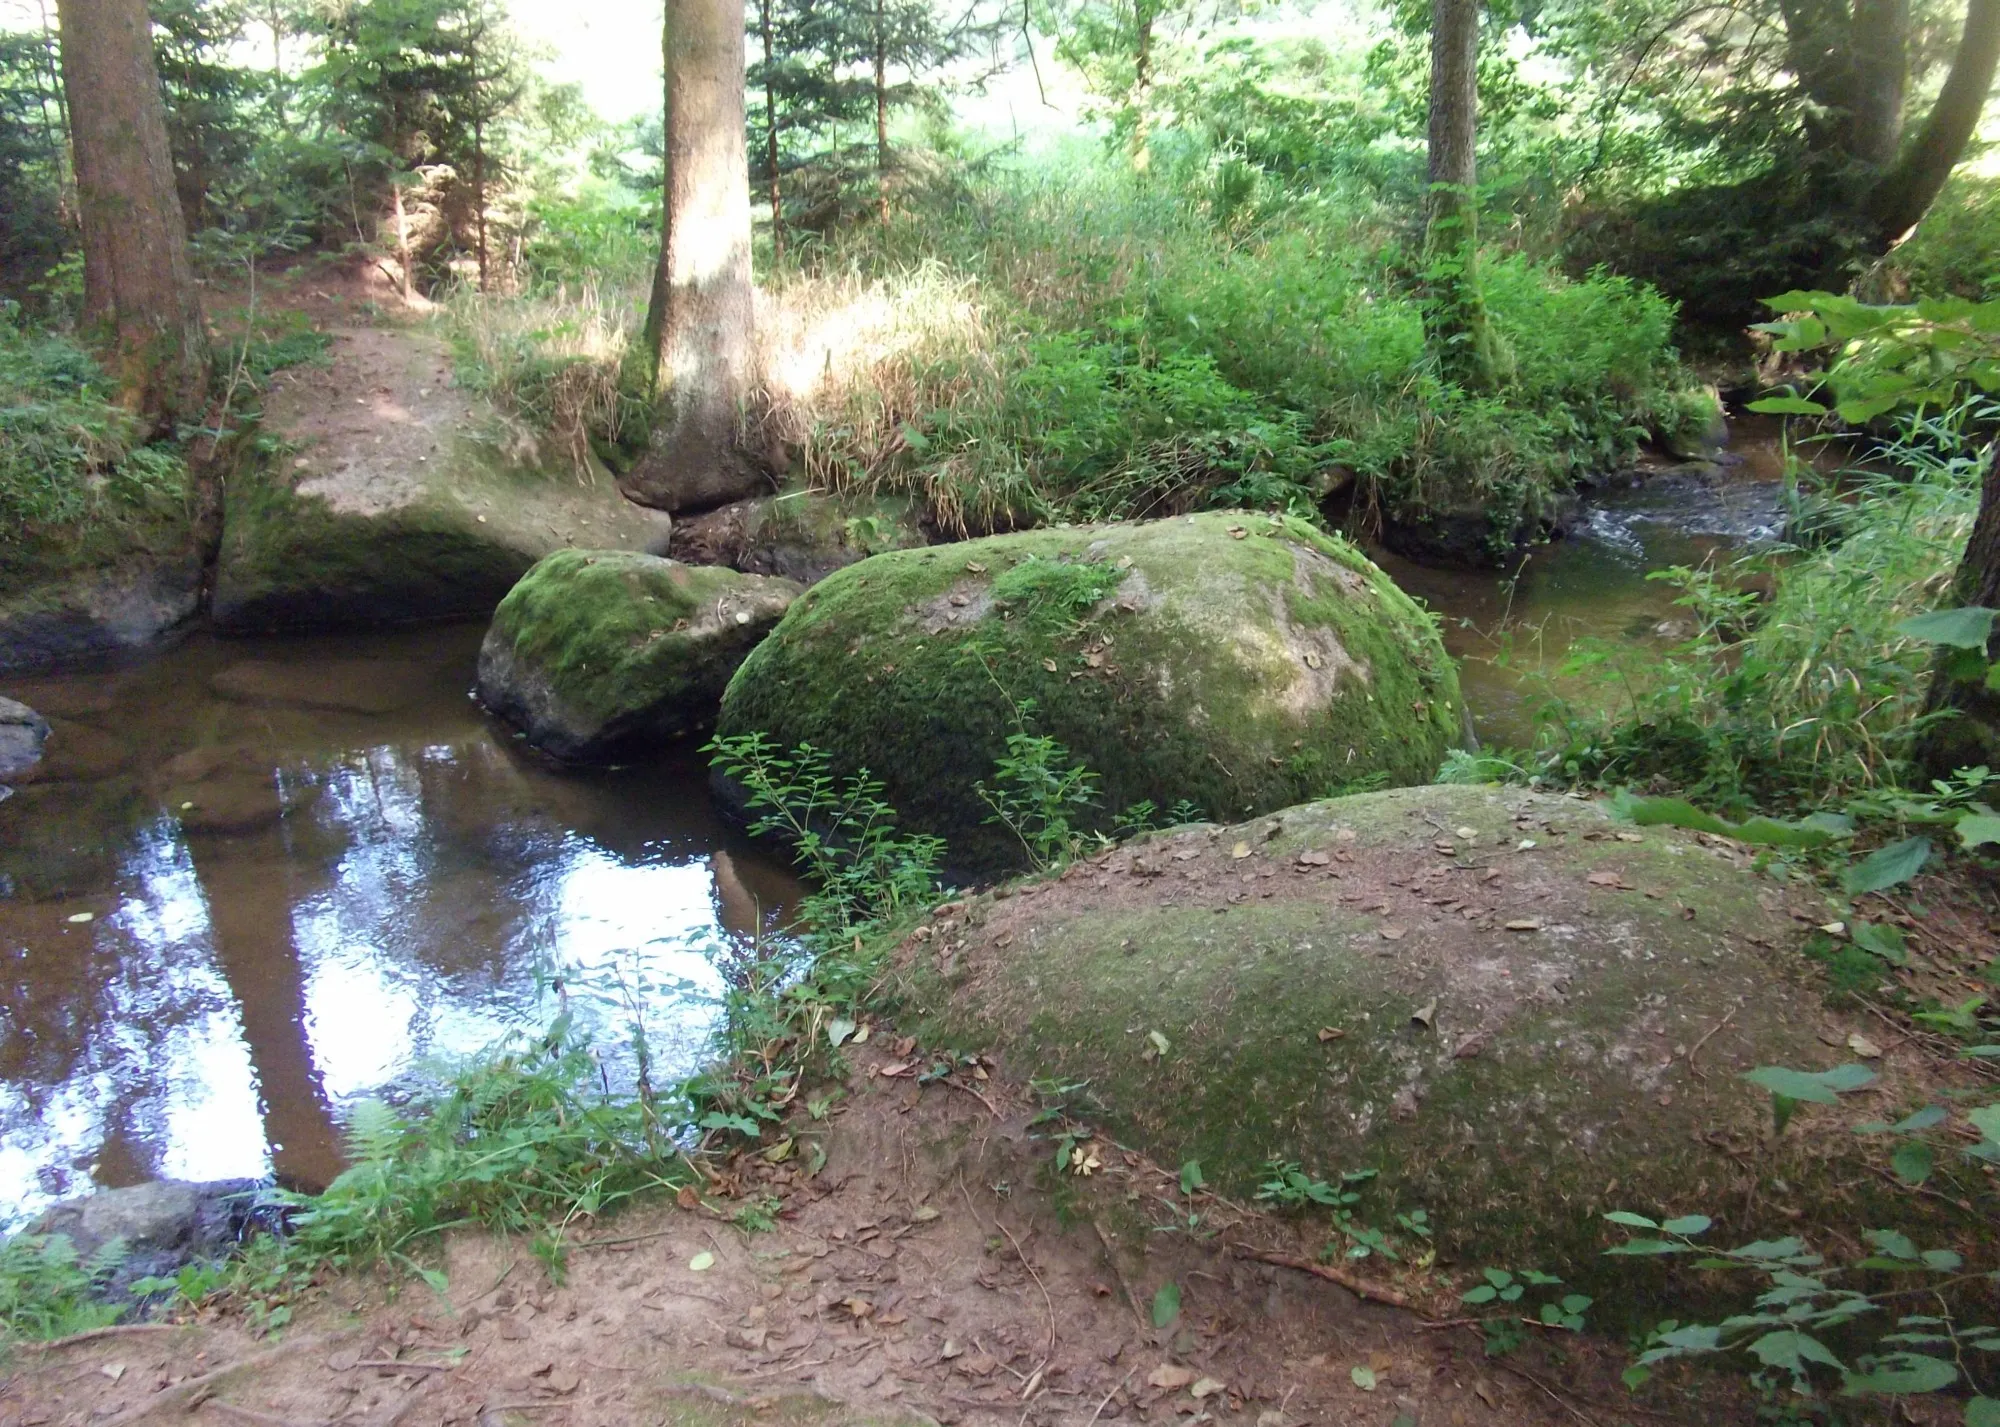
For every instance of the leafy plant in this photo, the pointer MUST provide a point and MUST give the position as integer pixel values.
(48, 1291)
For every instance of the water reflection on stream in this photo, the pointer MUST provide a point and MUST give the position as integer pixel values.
(306, 866)
(258, 880)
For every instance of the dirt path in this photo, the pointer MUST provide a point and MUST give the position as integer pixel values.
(932, 1270)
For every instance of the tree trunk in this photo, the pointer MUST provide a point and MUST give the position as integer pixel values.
(1904, 194)
(1880, 77)
(137, 278)
(276, 20)
(1142, 82)
(1455, 316)
(771, 130)
(479, 190)
(881, 117)
(1972, 737)
(699, 323)
(403, 260)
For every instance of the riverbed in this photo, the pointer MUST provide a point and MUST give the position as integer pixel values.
(259, 880)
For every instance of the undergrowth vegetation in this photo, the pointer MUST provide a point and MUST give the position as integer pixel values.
(1069, 346)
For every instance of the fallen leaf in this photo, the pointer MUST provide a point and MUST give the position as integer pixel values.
(1240, 851)
(1330, 1033)
(1426, 1014)
(1156, 1046)
(950, 1350)
(701, 1262)
(859, 1307)
(901, 1067)
(1207, 1387)
(973, 567)
(1630, 837)
(1487, 1395)
(114, 1371)
(1237, 532)
(1170, 1376)
(1525, 924)
(1394, 933)
(687, 1197)
(924, 1214)
(1314, 859)
(1469, 834)
(1363, 1377)
(781, 1151)
(565, 1382)
(83, 917)
(1863, 1047)
(1608, 879)
(1050, 665)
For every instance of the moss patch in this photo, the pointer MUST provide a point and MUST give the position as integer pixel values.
(1336, 989)
(595, 650)
(1238, 661)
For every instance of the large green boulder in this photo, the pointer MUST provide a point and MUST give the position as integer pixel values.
(1241, 662)
(602, 650)
(1519, 1013)
(401, 496)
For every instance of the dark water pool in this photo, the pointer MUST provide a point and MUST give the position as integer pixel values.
(258, 880)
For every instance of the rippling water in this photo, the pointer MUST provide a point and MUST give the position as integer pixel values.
(258, 881)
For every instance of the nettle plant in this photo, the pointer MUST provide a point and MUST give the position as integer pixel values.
(1813, 1332)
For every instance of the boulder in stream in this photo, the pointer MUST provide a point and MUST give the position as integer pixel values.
(601, 650)
(1518, 1013)
(22, 734)
(161, 1225)
(1243, 662)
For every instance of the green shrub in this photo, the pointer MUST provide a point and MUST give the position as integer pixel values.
(47, 1290)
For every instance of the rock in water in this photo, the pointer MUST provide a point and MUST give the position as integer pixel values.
(1239, 661)
(594, 651)
(1520, 1018)
(161, 1225)
(22, 734)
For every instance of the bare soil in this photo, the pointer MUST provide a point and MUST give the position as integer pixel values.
(932, 1270)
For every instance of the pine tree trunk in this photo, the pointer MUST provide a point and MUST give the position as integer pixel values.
(479, 191)
(138, 280)
(771, 131)
(1905, 192)
(698, 327)
(1972, 737)
(881, 117)
(1455, 316)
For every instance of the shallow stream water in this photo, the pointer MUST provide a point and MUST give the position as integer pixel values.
(259, 880)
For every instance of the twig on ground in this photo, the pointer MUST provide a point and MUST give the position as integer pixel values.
(192, 1387)
(990, 1106)
(1563, 1402)
(1695, 1049)
(397, 1365)
(1353, 1283)
(116, 1330)
(1047, 1302)
(1105, 1401)
(259, 1419)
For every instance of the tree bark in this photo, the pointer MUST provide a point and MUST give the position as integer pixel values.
(1142, 82)
(1455, 315)
(881, 116)
(1879, 79)
(698, 327)
(1970, 736)
(771, 130)
(1903, 194)
(138, 282)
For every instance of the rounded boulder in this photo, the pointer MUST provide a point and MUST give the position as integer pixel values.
(597, 651)
(1232, 661)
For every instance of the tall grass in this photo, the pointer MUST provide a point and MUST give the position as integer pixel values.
(1077, 346)
(1797, 688)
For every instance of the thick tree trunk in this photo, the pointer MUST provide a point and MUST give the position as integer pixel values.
(1455, 315)
(771, 130)
(1879, 80)
(1972, 736)
(698, 329)
(1905, 192)
(137, 279)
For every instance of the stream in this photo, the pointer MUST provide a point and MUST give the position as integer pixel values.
(258, 880)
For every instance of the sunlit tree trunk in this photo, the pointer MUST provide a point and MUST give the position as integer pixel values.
(1454, 313)
(771, 129)
(881, 116)
(698, 327)
(138, 281)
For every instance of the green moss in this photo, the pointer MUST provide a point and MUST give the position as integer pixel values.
(1242, 671)
(1548, 1084)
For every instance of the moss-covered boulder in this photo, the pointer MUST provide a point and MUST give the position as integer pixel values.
(401, 496)
(598, 651)
(1521, 1014)
(1239, 662)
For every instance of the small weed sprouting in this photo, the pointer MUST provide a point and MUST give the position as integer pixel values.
(1507, 1291)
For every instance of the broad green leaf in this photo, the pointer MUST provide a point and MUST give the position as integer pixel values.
(1688, 1226)
(1966, 628)
(1983, 1412)
(1892, 1243)
(1646, 1248)
(701, 1262)
(1928, 1118)
(1912, 1162)
(1888, 866)
(1881, 939)
(1818, 1087)
(1912, 1372)
(1792, 1350)
(1483, 1293)
(1979, 829)
(1630, 1220)
(1787, 406)
(1166, 1304)
(1191, 1179)
(1363, 1377)
(1987, 1121)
